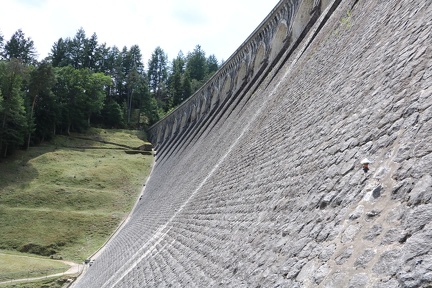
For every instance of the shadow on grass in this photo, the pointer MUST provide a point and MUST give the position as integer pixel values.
(16, 170)
(87, 142)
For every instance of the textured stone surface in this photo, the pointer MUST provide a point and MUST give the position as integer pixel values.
(269, 190)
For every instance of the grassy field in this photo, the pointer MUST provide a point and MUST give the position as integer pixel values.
(51, 282)
(18, 265)
(63, 199)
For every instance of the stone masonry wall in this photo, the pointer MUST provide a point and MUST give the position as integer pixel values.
(272, 193)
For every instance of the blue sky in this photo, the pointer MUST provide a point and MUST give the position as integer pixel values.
(218, 26)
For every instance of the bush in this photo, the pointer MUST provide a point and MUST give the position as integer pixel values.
(37, 249)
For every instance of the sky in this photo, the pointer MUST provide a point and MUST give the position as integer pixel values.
(219, 27)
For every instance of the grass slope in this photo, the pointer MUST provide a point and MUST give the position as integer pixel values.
(66, 197)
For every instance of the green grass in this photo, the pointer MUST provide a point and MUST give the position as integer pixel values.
(55, 282)
(129, 138)
(64, 198)
(16, 266)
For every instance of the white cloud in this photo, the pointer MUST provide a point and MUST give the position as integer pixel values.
(219, 27)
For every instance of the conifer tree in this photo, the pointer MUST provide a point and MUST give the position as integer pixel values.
(157, 73)
(20, 47)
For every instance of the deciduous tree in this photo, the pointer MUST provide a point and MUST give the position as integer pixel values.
(94, 85)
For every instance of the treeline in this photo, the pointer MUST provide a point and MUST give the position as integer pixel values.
(84, 83)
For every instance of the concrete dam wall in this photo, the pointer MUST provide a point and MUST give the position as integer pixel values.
(258, 180)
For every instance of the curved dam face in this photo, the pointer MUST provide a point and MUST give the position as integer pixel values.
(258, 180)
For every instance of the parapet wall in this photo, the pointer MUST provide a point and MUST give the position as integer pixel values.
(267, 188)
(276, 36)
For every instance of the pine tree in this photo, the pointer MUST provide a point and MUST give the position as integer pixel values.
(1, 46)
(157, 73)
(212, 65)
(19, 47)
(197, 64)
(186, 86)
(60, 53)
(77, 49)
(90, 54)
(176, 87)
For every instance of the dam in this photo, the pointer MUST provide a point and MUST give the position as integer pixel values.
(259, 177)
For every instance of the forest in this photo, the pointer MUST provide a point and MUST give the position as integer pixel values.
(83, 83)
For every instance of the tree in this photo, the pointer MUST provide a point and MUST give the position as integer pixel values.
(1, 46)
(132, 83)
(119, 72)
(90, 53)
(108, 59)
(42, 79)
(134, 69)
(70, 91)
(146, 103)
(150, 110)
(157, 73)
(176, 88)
(13, 122)
(175, 79)
(134, 58)
(186, 86)
(196, 64)
(80, 93)
(212, 65)
(60, 53)
(1, 104)
(21, 48)
(76, 49)
(127, 73)
(94, 91)
(101, 56)
(47, 112)
(111, 114)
